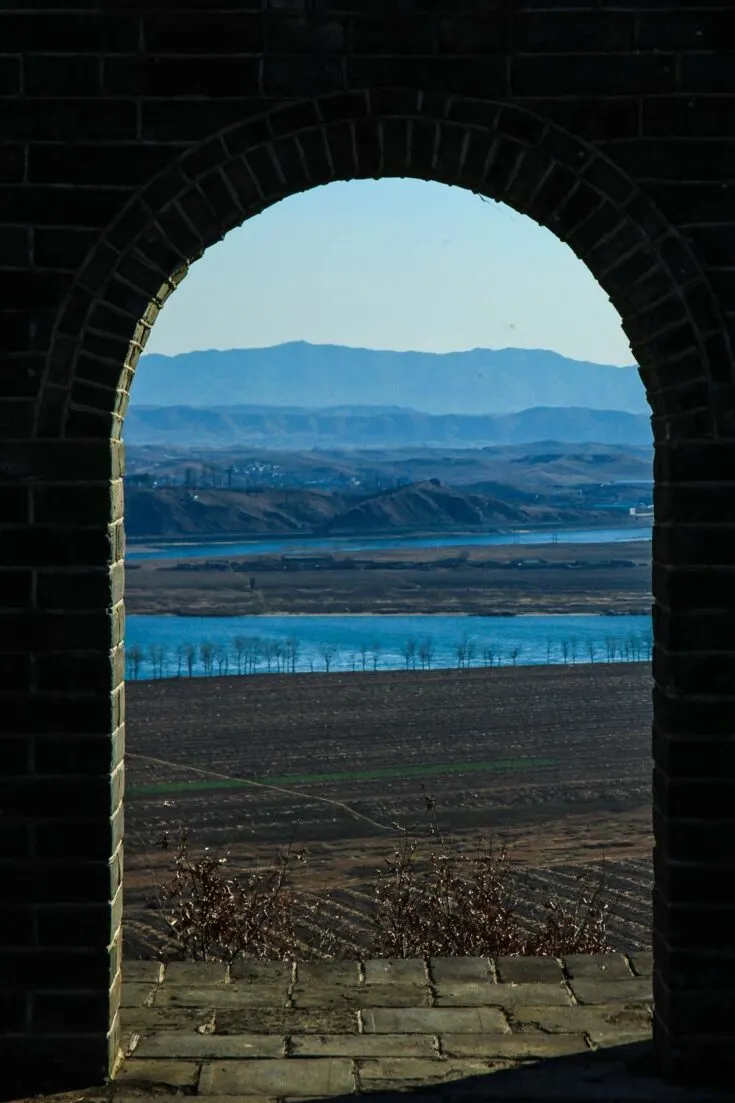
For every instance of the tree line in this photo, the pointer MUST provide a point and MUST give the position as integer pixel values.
(254, 655)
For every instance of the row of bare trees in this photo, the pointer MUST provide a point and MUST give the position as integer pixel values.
(252, 655)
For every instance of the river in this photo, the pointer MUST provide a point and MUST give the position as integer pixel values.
(341, 642)
(308, 545)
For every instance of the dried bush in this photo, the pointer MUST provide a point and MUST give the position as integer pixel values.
(213, 917)
(432, 898)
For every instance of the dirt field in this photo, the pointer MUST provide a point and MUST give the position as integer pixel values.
(555, 760)
(156, 586)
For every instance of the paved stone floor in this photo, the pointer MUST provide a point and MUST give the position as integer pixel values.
(510, 1029)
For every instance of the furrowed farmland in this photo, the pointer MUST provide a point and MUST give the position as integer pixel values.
(553, 760)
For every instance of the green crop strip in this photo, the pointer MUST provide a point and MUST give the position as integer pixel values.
(353, 775)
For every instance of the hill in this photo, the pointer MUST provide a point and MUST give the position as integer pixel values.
(366, 426)
(170, 512)
(301, 374)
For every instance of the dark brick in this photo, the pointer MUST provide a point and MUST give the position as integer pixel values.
(592, 74)
(69, 32)
(60, 206)
(44, 798)
(408, 34)
(62, 546)
(708, 72)
(183, 121)
(202, 32)
(67, 119)
(118, 163)
(58, 75)
(193, 78)
(69, 1012)
(64, 249)
(605, 33)
(688, 799)
(83, 838)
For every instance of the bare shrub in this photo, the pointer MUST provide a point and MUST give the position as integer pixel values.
(450, 903)
(431, 898)
(214, 917)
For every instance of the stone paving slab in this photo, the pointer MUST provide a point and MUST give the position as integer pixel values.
(642, 964)
(142, 972)
(404, 1074)
(395, 971)
(226, 996)
(137, 994)
(501, 995)
(515, 1046)
(206, 1046)
(374, 995)
(635, 989)
(571, 1020)
(328, 973)
(460, 970)
(196, 973)
(524, 970)
(597, 967)
(303, 1077)
(363, 1045)
(163, 1073)
(262, 972)
(449, 1029)
(165, 1018)
(434, 1020)
(287, 1020)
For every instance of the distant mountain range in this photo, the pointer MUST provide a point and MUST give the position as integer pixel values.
(298, 374)
(377, 427)
(426, 506)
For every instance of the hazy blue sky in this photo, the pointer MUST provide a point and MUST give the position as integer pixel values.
(399, 264)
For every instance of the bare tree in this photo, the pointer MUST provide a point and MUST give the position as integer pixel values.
(461, 652)
(565, 650)
(471, 650)
(157, 656)
(328, 652)
(221, 657)
(549, 645)
(206, 654)
(376, 648)
(240, 644)
(293, 648)
(134, 656)
(269, 653)
(514, 653)
(574, 650)
(488, 655)
(364, 652)
(191, 655)
(180, 657)
(426, 653)
(253, 655)
(409, 652)
(591, 650)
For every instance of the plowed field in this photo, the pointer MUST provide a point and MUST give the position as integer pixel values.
(554, 759)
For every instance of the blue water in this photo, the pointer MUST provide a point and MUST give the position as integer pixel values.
(538, 640)
(307, 545)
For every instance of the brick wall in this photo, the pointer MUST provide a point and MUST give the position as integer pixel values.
(134, 134)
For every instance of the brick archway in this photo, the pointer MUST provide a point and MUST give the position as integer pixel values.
(501, 152)
(61, 764)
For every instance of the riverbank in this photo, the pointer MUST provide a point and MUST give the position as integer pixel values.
(500, 580)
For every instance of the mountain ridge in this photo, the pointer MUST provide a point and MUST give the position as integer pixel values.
(351, 427)
(487, 381)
